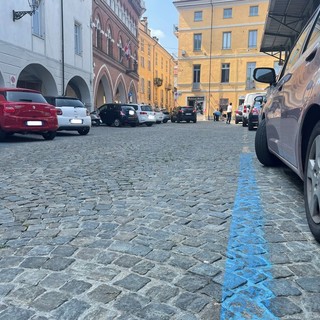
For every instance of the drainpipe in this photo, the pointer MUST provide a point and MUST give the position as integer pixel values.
(209, 102)
(62, 47)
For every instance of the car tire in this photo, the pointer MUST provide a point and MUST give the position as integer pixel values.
(250, 126)
(3, 135)
(173, 120)
(244, 123)
(84, 131)
(312, 183)
(50, 135)
(133, 125)
(195, 121)
(165, 121)
(188, 121)
(149, 124)
(263, 154)
(117, 123)
(178, 121)
(236, 121)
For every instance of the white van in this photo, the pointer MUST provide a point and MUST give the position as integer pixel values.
(248, 102)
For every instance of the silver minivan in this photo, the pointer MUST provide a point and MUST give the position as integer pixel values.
(290, 127)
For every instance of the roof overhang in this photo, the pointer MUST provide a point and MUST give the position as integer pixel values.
(285, 21)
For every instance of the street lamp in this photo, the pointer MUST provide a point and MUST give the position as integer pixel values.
(33, 4)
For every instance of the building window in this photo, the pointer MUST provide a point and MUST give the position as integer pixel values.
(225, 72)
(197, 37)
(198, 16)
(109, 42)
(142, 45)
(252, 43)
(142, 62)
(254, 10)
(149, 65)
(149, 90)
(142, 85)
(226, 40)
(196, 76)
(37, 22)
(77, 39)
(249, 81)
(99, 36)
(227, 13)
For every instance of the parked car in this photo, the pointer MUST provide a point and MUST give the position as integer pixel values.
(26, 111)
(166, 115)
(254, 112)
(95, 119)
(118, 114)
(145, 114)
(238, 114)
(72, 114)
(159, 115)
(290, 126)
(186, 113)
(248, 102)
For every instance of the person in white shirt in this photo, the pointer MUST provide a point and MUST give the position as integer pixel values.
(229, 112)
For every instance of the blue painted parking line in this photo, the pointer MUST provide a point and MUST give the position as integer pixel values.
(247, 267)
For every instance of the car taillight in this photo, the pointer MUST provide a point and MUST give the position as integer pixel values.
(59, 112)
(180, 111)
(143, 112)
(9, 109)
(254, 111)
(245, 109)
(122, 113)
(53, 111)
(194, 111)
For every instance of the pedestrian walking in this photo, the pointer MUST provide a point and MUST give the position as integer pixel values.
(229, 112)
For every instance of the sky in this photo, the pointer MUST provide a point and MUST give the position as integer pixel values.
(162, 16)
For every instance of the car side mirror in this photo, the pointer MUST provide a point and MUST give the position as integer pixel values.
(265, 75)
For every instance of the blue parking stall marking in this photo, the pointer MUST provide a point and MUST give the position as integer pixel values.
(244, 295)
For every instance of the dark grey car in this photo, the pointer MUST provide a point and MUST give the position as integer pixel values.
(290, 126)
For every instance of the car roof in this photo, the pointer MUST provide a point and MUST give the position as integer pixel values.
(3, 89)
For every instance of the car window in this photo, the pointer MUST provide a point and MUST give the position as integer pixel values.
(315, 34)
(296, 51)
(23, 96)
(187, 109)
(69, 103)
(146, 108)
(126, 108)
(135, 107)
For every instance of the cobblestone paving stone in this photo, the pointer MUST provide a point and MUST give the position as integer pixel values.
(134, 223)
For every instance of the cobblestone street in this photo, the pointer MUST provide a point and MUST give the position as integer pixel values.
(174, 221)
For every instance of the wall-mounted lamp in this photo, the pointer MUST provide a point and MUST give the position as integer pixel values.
(34, 5)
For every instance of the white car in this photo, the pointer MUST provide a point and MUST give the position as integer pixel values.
(145, 114)
(72, 114)
(248, 102)
(159, 115)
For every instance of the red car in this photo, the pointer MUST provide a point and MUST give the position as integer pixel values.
(26, 111)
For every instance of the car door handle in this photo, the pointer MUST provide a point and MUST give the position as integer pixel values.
(311, 56)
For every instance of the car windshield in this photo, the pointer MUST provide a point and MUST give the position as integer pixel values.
(146, 108)
(69, 103)
(24, 96)
(126, 108)
(187, 109)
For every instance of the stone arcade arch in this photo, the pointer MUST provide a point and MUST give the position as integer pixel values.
(77, 87)
(103, 92)
(35, 76)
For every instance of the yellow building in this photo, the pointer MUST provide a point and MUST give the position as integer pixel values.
(219, 42)
(156, 68)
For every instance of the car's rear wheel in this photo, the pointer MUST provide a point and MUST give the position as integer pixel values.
(117, 123)
(195, 121)
(312, 182)
(3, 135)
(149, 124)
(84, 131)
(165, 121)
(50, 135)
(250, 126)
(267, 158)
(236, 121)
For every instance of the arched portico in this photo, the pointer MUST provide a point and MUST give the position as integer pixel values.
(37, 77)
